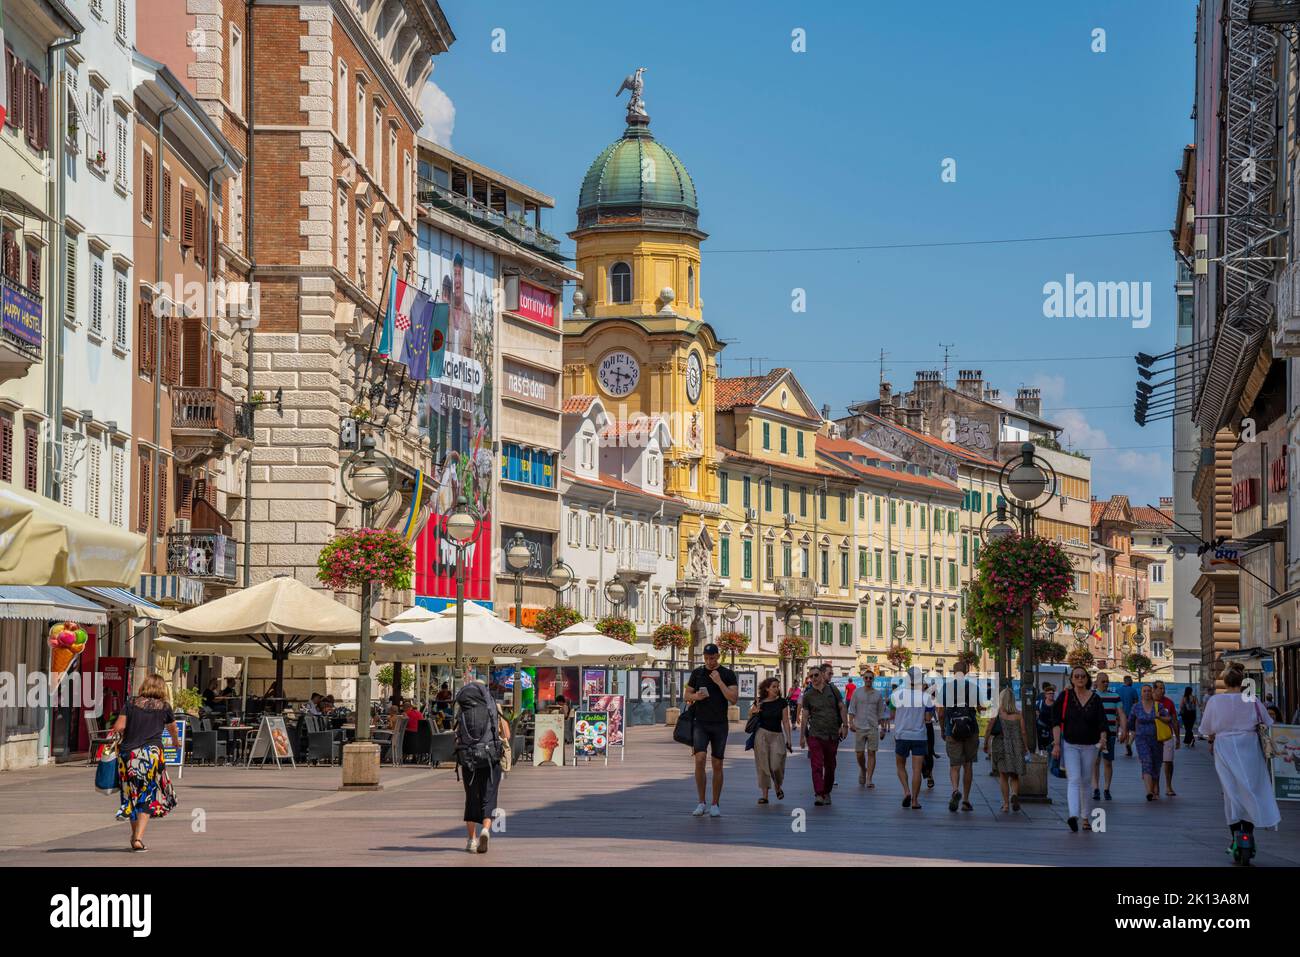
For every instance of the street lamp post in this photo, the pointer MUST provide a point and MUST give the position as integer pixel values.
(793, 621)
(672, 604)
(731, 614)
(518, 557)
(899, 632)
(461, 528)
(561, 576)
(367, 477)
(615, 594)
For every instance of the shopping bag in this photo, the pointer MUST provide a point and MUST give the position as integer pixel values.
(106, 770)
(1054, 768)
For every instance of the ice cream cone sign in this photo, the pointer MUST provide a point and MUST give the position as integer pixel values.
(67, 641)
(548, 743)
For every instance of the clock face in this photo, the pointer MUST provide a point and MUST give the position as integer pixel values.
(694, 377)
(618, 373)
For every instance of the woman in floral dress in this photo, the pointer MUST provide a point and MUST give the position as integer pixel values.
(142, 775)
(1142, 729)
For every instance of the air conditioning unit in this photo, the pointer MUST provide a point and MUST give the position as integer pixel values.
(789, 518)
(751, 514)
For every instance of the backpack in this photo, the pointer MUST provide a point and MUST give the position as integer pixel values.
(478, 742)
(962, 721)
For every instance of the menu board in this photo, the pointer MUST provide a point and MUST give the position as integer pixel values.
(174, 751)
(593, 682)
(591, 735)
(272, 741)
(612, 705)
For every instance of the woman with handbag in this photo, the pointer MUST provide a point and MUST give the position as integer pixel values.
(1079, 732)
(1004, 743)
(769, 722)
(1237, 728)
(1144, 729)
(142, 774)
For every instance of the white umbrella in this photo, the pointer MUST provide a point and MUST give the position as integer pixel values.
(582, 644)
(415, 613)
(486, 637)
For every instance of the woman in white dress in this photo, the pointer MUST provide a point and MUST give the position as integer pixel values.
(1229, 721)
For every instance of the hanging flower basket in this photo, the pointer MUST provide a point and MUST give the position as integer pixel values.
(1079, 657)
(1013, 574)
(670, 636)
(357, 556)
(900, 656)
(970, 658)
(551, 621)
(733, 642)
(793, 646)
(1049, 650)
(618, 628)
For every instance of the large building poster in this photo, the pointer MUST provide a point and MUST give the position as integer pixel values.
(456, 411)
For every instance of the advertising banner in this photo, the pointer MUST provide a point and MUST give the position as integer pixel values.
(22, 317)
(174, 751)
(612, 705)
(1286, 762)
(593, 682)
(548, 740)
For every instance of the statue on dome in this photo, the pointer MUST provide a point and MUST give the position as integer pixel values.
(633, 82)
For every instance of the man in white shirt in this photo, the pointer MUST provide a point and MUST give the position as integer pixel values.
(866, 711)
(913, 711)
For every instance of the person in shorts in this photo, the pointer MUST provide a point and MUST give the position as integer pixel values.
(912, 712)
(1116, 727)
(710, 690)
(959, 718)
(866, 714)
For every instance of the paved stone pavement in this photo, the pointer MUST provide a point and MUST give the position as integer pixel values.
(636, 811)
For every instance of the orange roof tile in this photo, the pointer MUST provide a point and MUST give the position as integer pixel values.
(827, 443)
(1149, 517)
(609, 481)
(744, 390)
(577, 404)
(890, 475)
(785, 466)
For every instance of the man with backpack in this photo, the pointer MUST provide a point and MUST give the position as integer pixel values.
(480, 730)
(961, 733)
(824, 724)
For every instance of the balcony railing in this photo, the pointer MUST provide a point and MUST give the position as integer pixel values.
(637, 561)
(203, 409)
(435, 194)
(796, 587)
(205, 555)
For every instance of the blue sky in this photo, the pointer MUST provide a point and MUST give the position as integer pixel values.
(842, 145)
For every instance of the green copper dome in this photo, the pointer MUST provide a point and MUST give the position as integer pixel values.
(636, 177)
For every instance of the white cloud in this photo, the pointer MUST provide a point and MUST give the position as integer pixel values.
(438, 113)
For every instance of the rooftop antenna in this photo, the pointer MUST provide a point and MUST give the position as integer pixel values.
(947, 348)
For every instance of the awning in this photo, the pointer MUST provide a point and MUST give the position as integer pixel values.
(172, 589)
(121, 598)
(48, 603)
(43, 542)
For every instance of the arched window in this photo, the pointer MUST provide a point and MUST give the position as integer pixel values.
(620, 283)
(690, 285)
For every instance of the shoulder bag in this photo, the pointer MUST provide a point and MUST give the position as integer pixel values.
(1264, 733)
(684, 730)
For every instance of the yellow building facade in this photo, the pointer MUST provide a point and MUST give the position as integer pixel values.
(785, 532)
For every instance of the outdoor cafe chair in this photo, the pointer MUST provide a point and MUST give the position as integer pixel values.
(442, 747)
(416, 744)
(395, 743)
(207, 747)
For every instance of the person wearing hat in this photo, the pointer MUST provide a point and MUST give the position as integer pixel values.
(710, 690)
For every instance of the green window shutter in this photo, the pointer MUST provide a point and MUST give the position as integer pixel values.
(923, 511)
(952, 574)
(803, 500)
(767, 435)
(975, 549)
(877, 501)
(938, 626)
(786, 561)
(798, 444)
(747, 559)
(925, 625)
(893, 512)
(952, 625)
(880, 621)
(893, 566)
(846, 634)
(744, 485)
(821, 496)
(724, 557)
(924, 570)
(805, 629)
(907, 515)
(844, 508)
(879, 570)
(862, 620)
(767, 495)
(785, 498)
(988, 498)
(862, 563)
(722, 487)
(844, 569)
(784, 448)
(909, 623)
(965, 549)
(907, 567)
(862, 505)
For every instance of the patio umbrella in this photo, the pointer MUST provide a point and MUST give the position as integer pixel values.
(280, 615)
(43, 542)
(582, 644)
(486, 637)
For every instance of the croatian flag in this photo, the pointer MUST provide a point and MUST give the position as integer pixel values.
(402, 299)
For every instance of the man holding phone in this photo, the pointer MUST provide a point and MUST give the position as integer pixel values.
(710, 691)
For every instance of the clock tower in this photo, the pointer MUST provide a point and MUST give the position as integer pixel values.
(637, 336)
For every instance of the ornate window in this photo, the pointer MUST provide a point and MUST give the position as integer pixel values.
(620, 283)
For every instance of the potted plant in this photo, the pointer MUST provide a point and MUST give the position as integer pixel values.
(101, 158)
(551, 621)
(794, 647)
(1079, 657)
(357, 556)
(360, 412)
(257, 398)
(970, 658)
(188, 700)
(619, 628)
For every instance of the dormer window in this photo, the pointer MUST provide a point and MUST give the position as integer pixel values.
(620, 283)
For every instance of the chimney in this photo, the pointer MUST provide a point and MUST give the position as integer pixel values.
(826, 413)
(913, 416)
(926, 388)
(993, 395)
(887, 402)
(1166, 501)
(1029, 401)
(971, 382)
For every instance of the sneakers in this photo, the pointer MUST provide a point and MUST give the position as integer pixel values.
(826, 799)
(1096, 794)
(483, 842)
(1107, 794)
(715, 811)
(1074, 824)
(471, 845)
(817, 801)
(700, 810)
